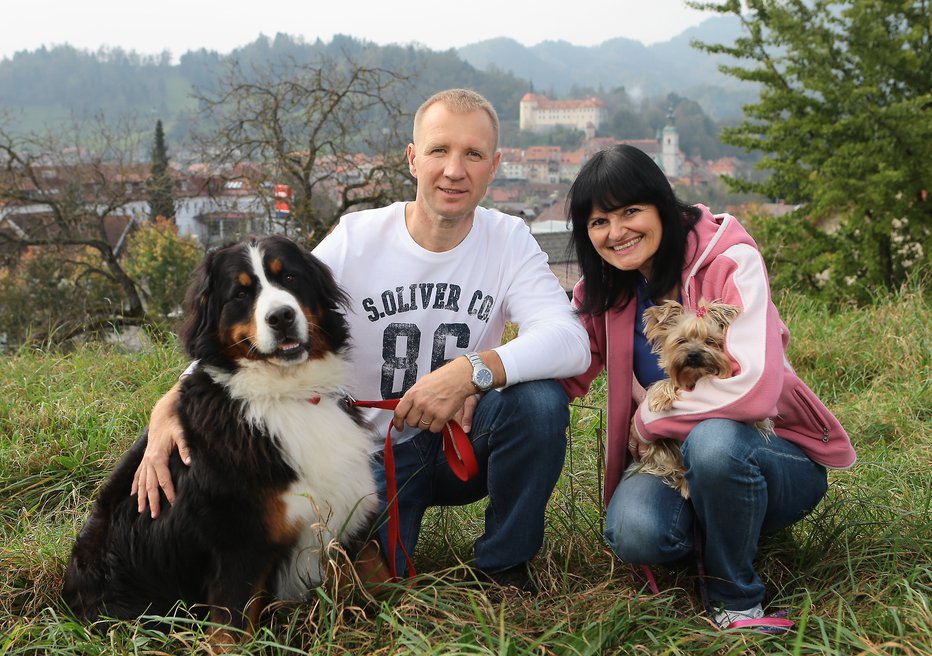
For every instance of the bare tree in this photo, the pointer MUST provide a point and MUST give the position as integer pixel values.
(75, 192)
(328, 130)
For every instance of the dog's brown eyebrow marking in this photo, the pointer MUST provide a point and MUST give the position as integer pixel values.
(245, 279)
(275, 266)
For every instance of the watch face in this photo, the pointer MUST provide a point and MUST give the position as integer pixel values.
(483, 378)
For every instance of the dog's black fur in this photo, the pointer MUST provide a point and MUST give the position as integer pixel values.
(228, 536)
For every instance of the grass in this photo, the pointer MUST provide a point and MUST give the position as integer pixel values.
(856, 574)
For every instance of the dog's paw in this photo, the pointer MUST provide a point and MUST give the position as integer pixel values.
(657, 405)
(660, 396)
(765, 427)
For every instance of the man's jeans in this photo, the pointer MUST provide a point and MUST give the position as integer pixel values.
(519, 436)
(741, 484)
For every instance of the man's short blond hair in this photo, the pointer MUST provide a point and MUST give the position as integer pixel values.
(459, 101)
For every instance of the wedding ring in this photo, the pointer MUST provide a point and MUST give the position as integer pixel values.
(425, 422)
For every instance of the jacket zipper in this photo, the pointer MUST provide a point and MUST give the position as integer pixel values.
(813, 415)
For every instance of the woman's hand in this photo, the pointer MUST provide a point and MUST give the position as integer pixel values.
(636, 446)
(165, 434)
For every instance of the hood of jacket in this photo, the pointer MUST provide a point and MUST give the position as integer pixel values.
(712, 236)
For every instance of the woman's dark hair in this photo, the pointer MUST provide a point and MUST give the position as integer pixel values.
(614, 178)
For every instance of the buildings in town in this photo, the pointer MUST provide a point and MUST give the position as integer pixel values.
(531, 182)
(538, 113)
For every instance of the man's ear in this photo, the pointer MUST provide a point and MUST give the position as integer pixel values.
(410, 153)
(496, 160)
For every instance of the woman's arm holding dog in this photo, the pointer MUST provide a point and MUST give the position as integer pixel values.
(165, 434)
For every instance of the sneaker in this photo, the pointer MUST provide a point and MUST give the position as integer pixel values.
(753, 618)
(517, 576)
(724, 618)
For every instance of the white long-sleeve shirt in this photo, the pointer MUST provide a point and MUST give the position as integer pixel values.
(411, 310)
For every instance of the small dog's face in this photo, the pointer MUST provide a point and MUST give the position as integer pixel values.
(690, 343)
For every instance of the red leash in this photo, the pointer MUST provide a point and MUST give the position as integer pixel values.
(651, 581)
(460, 457)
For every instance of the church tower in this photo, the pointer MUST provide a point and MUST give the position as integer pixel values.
(670, 147)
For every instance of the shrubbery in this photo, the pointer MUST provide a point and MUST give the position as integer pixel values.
(822, 261)
(53, 294)
(49, 293)
(161, 262)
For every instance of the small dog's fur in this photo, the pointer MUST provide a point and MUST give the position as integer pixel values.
(691, 346)
(280, 467)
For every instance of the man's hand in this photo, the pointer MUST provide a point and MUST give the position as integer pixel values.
(165, 434)
(445, 393)
(464, 416)
(636, 447)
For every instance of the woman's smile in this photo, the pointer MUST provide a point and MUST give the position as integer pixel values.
(627, 238)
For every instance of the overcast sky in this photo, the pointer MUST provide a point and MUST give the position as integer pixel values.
(180, 25)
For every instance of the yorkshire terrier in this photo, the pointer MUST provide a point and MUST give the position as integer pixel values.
(691, 346)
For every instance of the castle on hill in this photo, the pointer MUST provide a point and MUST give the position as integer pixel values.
(538, 113)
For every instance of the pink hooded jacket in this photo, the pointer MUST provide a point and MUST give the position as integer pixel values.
(723, 265)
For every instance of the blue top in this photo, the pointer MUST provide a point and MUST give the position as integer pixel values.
(646, 363)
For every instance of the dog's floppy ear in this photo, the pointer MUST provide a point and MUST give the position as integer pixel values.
(197, 306)
(333, 297)
(722, 313)
(331, 293)
(659, 319)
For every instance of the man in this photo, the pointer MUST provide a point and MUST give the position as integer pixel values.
(432, 283)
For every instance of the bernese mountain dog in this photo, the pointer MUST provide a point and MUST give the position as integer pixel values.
(280, 460)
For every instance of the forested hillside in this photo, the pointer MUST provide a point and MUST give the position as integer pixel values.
(47, 86)
(51, 85)
(674, 66)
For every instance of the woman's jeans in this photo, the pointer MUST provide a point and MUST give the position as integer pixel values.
(741, 484)
(519, 437)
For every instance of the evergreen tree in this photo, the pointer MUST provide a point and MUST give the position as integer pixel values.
(844, 123)
(159, 184)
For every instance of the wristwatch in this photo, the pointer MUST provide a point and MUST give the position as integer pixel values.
(481, 374)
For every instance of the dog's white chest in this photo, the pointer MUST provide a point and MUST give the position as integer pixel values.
(335, 493)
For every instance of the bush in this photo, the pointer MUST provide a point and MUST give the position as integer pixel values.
(820, 260)
(52, 291)
(161, 262)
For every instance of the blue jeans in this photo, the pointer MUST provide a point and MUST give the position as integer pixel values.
(741, 485)
(519, 437)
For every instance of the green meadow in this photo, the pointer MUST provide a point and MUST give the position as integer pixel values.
(856, 575)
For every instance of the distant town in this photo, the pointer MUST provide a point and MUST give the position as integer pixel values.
(531, 182)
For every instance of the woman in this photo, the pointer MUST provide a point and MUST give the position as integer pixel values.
(638, 246)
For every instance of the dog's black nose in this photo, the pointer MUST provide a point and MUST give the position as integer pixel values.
(694, 359)
(280, 318)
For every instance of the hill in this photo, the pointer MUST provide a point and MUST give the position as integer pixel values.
(47, 86)
(559, 68)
